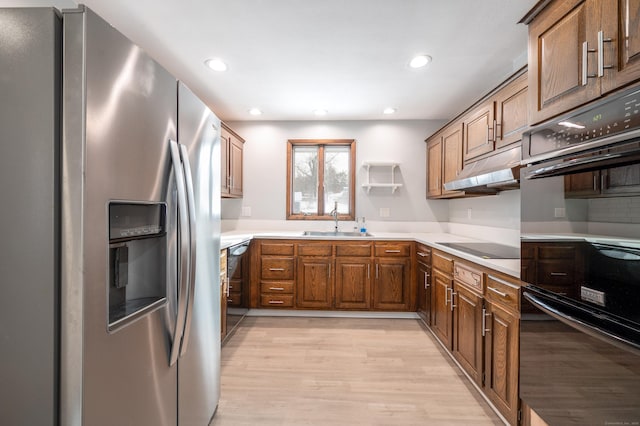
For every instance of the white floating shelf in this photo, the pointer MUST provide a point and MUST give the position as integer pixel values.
(392, 184)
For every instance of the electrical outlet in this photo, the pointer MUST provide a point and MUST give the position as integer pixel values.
(559, 212)
(246, 211)
(469, 213)
(384, 212)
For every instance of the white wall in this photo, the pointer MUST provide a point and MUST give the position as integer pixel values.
(401, 141)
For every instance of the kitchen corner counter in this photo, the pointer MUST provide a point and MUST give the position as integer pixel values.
(510, 267)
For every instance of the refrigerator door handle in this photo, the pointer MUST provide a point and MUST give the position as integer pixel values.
(183, 276)
(192, 248)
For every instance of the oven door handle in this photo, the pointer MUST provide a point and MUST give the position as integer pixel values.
(582, 325)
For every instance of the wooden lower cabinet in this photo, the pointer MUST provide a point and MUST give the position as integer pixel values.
(353, 283)
(314, 283)
(467, 330)
(441, 314)
(392, 283)
(423, 283)
(223, 294)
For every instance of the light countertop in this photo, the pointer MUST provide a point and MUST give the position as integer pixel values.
(508, 266)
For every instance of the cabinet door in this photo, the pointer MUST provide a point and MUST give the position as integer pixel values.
(353, 283)
(581, 185)
(391, 288)
(423, 286)
(441, 318)
(479, 136)
(467, 331)
(236, 148)
(501, 360)
(225, 177)
(621, 24)
(314, 288)
(556, 58)
(434, 168)
(621, 180)
(451, 155)
(511, 112)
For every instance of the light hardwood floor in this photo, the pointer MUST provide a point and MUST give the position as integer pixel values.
(342, 371)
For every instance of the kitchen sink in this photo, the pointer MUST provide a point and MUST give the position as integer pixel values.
(335, 234)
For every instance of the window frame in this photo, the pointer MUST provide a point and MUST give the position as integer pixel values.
(321, 143)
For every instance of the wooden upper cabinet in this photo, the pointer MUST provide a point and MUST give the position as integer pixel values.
(479, 130)
(231, 153)
(451, 155)
(577, 53)
(511, 112)
(621, 24)
(434, 166)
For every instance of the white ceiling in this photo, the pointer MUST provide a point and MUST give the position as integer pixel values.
(289, 57)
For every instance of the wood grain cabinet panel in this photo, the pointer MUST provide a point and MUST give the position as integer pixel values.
(353, 283)
(314, 283)
(580, 50)
(392, 283)
(441, 314)
(479, 131)
(467, 331)
(434, 166)
(423, 283)
(231, 170)
(451, 156)
(512, 109)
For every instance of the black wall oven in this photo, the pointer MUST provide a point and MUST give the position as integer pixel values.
(580, 245)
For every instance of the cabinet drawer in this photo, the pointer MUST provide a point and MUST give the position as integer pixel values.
(282, 287)
(234, 299)
(277, 268)
(559, 273)
(527, 251)
(503, 292)
(315, 249)
(556, 252)
(423, 254)
(469, 276)
(276, 249)
(353, 250)
(441, 262)
(393, 250)
(276, 301)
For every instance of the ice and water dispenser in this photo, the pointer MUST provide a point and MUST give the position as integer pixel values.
(137, 260)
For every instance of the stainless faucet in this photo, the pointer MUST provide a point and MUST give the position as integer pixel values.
(334, 213)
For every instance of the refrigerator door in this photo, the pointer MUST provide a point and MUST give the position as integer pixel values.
(199, 364)
(119, 111)
(30, 42)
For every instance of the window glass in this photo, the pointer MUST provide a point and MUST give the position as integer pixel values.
(336, 179)
(305, 180)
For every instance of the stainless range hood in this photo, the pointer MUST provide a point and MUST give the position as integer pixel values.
(491, 174)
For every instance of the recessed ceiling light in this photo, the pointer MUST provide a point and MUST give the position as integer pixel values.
(320, 112)
(389, 110)
(255, 111)
(420, 61)
(216, 64)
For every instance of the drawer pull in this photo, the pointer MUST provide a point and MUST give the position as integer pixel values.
(558, 274)
(276, 302)
(276, 288)
(392, 251)
(485, 330)
(508, 284)
(498, 292)
(421, 254)
(277, 269)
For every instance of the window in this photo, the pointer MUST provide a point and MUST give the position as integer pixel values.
(320, 176)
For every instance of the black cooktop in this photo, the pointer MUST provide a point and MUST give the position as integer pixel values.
(486, 250)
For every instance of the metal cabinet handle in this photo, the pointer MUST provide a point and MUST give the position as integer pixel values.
(484, 322)
(377, 270)
(421, 254)
(601, 42)
(277, 269)
(495, 130)
(446, 295)
(558, 274)
(276, 302)
(392, 251)
(276, 288)
(452, 296)
(498, 292)
(368, 270)
(585, 63)
(426, 280)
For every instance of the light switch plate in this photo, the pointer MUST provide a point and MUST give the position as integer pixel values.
(384, 212)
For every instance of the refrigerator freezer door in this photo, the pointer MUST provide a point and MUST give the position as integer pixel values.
(29, 165)
(119, 114)
(199, 365)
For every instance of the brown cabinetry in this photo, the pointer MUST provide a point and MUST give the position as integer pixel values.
(434, 166)
(223, 294)
(391, 286)
(231, 152)
(618, 181)
(353, 276)
(423, 282)
(444, 161)
(580, 50)
(479, 131)
(276, 270)
(442, 286)
(314, 279)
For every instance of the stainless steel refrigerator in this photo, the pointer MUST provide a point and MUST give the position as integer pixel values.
(110, 225)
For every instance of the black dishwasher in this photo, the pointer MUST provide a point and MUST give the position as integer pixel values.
(238, 288)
